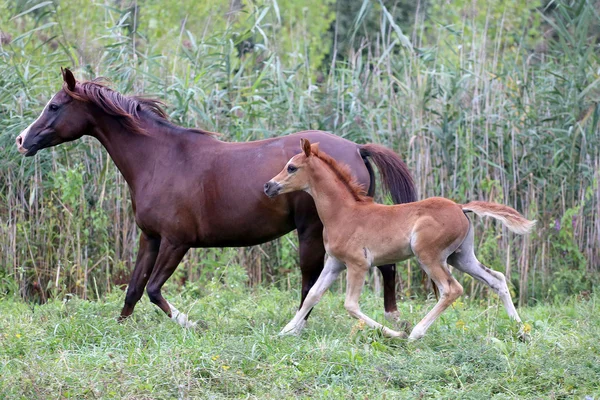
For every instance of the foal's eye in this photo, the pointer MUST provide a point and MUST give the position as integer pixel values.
(53, 107)
(292, 169)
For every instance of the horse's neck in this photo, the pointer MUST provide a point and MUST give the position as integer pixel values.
(331, 198)
(135, 154)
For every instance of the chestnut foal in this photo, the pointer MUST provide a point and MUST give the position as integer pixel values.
(359, 233)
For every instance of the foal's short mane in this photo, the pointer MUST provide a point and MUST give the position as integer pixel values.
(342, 171)
(127, 108)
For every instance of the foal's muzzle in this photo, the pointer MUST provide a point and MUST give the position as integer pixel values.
(272, 189)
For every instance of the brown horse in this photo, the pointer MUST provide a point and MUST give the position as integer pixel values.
(359, 233)
(189, 189)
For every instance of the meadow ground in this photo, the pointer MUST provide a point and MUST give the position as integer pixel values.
(76, 349)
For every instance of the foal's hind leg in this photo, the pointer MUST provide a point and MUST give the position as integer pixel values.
(449, 289)
(168, 259)
(146, 258)
(464, 260)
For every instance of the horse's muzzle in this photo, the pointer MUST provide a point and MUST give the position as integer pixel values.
(272, 188)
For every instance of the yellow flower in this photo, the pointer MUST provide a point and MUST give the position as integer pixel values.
(526, 327)
(225, 367)
(460, 324)
(215, 358)
(359, 326)
(18, 335)
(457, 304)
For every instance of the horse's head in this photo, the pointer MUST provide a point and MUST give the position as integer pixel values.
(63, 119)
(294, 176)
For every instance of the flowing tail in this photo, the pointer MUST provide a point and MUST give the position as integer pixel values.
(510, 217)
(394, 173)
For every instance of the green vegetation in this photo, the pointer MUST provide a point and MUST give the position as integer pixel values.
(76, 349)
(496, 100)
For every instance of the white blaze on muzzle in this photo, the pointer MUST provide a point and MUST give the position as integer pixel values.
(23, 135)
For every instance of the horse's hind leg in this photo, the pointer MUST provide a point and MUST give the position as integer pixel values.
(388, 272)
(464, 260)
(146, 258)
(449, 289)
(168, 259)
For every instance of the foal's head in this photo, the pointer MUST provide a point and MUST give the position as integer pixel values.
(63, 119)
(294, 175)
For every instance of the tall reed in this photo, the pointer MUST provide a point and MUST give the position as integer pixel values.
(478, 109)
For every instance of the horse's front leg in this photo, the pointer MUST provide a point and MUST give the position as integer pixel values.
(169, 256)
(146, 258)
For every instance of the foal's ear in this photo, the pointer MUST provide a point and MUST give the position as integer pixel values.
(305, 146)
(68, 77)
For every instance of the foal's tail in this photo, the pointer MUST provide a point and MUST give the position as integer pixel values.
(510, 217)
(394, 173)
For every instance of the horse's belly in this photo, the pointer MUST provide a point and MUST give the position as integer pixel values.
(234, 236)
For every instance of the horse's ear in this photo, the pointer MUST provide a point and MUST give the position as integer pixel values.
(305, 146)
(314, 148)
(68, 77)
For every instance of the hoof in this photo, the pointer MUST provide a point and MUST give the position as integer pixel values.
(402, 335)
(290, 332)
(390, 333)
(293, 330)
(393, 316)
(524, 337)
(198, 326)
(415, 336)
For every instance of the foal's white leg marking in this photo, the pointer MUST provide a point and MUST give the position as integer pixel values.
(330, 272)
(467, 262)
(23, 135)
(180, 318)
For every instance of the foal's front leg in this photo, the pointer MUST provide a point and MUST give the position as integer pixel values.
(355, 283)
(330, 272)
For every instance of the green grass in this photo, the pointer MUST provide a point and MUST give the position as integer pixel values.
(76, 349)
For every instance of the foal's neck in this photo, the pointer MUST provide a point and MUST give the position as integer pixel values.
(331, 197)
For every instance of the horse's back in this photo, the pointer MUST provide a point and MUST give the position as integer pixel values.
(216, 199)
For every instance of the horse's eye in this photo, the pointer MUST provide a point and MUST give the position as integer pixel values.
(53, 107)
(292, 169)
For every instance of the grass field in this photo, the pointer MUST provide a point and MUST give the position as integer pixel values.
(484, 100)
(76, 349)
